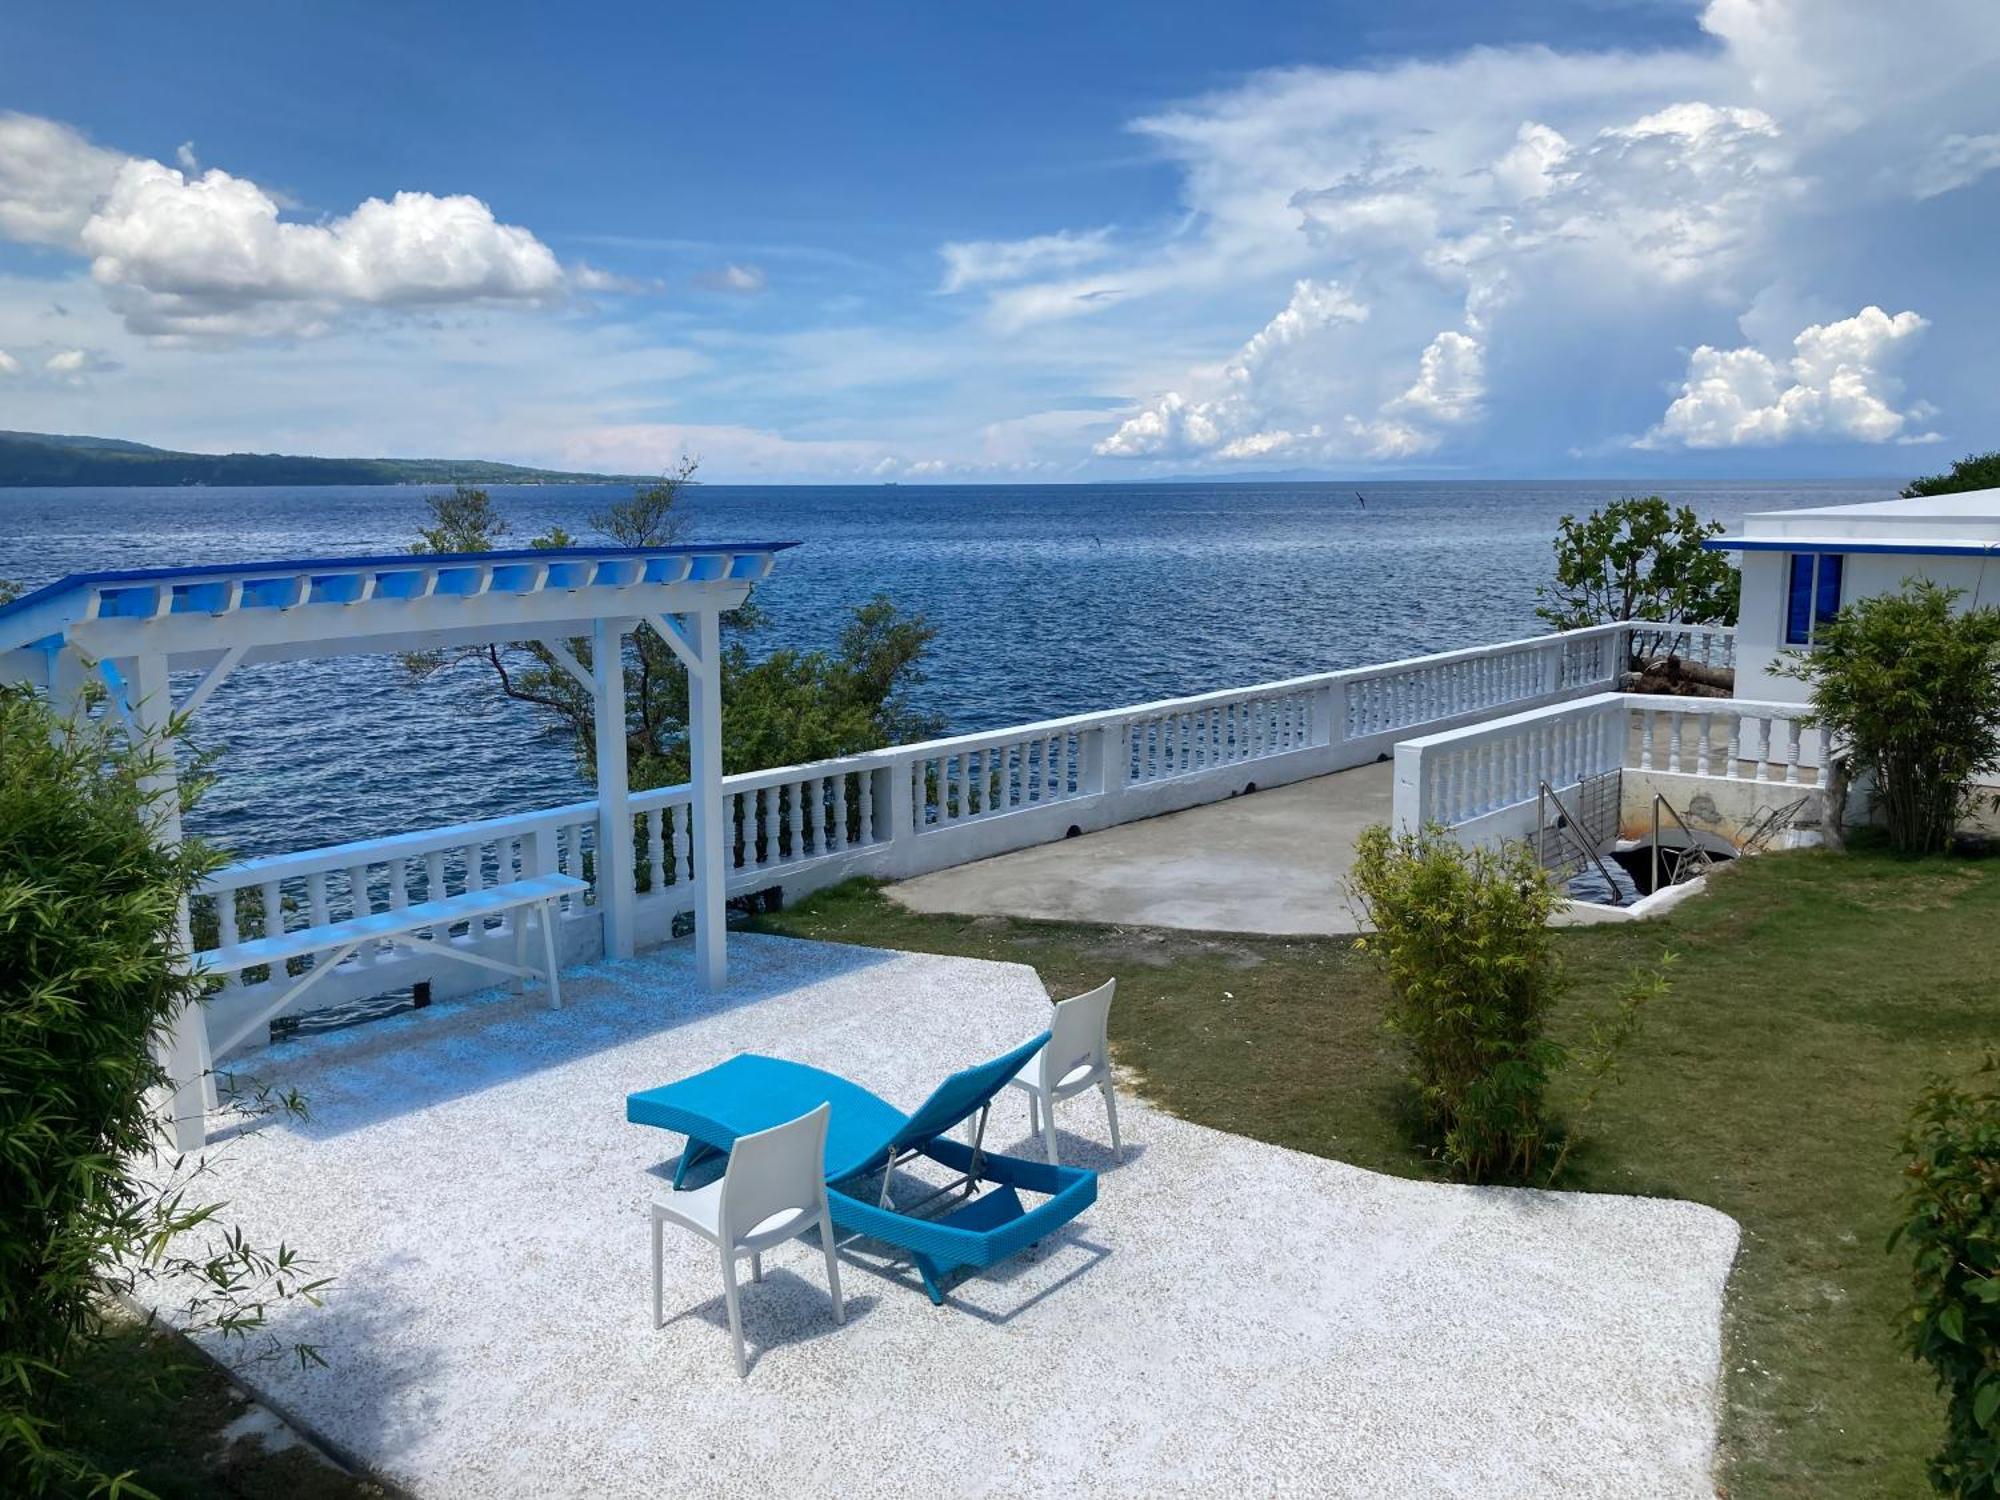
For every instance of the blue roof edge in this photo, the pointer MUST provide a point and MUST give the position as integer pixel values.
(73, 581)
(1839, 544)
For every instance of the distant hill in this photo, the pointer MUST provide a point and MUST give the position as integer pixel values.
(54, 458)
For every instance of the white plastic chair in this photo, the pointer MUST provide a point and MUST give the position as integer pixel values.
(773, 1190)
(1077, 1057)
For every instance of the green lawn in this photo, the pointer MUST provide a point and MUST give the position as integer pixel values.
(142, 1403)
(1813, 994)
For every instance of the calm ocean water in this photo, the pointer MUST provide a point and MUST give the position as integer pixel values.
(1048, 600)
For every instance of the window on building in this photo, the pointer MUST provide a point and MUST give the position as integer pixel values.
(1812, 595)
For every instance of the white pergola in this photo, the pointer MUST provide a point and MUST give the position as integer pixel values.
(135, 629)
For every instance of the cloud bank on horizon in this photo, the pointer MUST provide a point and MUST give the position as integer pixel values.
(1752, 249)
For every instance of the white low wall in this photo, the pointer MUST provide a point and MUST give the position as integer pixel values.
(913, 808)
(1482, 783)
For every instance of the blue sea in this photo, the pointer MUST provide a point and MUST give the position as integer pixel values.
(1048, 600)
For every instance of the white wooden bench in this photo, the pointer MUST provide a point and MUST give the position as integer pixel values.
(335, 942)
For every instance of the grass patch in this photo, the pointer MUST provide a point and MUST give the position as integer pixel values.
(1814, 993)
(140, 1401)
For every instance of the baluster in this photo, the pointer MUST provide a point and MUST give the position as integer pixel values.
(1734, 766)
(761, 844)
(1763, 748)
(434, 875)
(316, 904)
(1792, 751)
(274, 908)
(656, 849)
(798, 795)
(357, 891)
(964, 783)
(683, 841)
(865, 785)
(839, 841)
(1050, 790)
(1646, 717)
(1704, 725)
(227, 935)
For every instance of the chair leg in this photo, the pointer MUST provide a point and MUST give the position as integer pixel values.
(1034, 1113)
(826, 1238)
(735, 1310)
(1111, 1113)
(519, 922)
(756, 1265)
(659, 1318)
(1049, 1130)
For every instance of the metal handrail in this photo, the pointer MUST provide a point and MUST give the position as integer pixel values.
(1568, 820)
(1693, 845)
(1768, 824)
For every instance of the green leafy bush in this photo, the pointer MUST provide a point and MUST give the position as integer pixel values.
(1638, 559)
(1951, 1223)
(91, 970)
(1975, 471)
(1910, 687)
(1463, 937)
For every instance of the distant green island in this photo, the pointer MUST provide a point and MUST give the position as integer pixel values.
(50, 458)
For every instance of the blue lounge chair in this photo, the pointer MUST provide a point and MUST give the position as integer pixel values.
(867, 1135)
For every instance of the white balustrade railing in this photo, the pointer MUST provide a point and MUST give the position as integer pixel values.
(912, 808)
(1726, 737)
(1482, 781)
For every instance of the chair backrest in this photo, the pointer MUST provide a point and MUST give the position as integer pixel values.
(1080, 1035)
(773, 1171)
(962, 1093)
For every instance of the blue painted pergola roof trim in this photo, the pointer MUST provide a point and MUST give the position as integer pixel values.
(242, 591)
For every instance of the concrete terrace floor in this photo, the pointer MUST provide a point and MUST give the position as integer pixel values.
(1229, 1319)
(1274, 862)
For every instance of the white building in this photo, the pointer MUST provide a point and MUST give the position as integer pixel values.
(1800, 566)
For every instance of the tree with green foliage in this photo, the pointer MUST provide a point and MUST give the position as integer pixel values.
(1638, 559)
(95, 972)
(1908, 686)
(1951, 1226)
(1975, 471)
(784, 708)
(1463, 937)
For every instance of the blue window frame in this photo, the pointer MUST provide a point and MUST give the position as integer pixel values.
(1812, 595)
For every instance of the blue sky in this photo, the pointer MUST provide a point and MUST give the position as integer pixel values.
(1030, 242)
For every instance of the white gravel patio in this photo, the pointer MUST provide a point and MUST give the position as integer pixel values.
(1230, 1318)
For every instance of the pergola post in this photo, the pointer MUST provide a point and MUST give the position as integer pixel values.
(182, 1053)
(711, 867)
(69, 674)
(616, 877)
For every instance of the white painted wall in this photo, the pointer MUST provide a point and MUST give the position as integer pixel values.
(1761, 625)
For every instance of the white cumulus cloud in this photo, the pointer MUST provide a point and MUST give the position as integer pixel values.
(1836, 385)
(186, 254)
(1233, 422)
